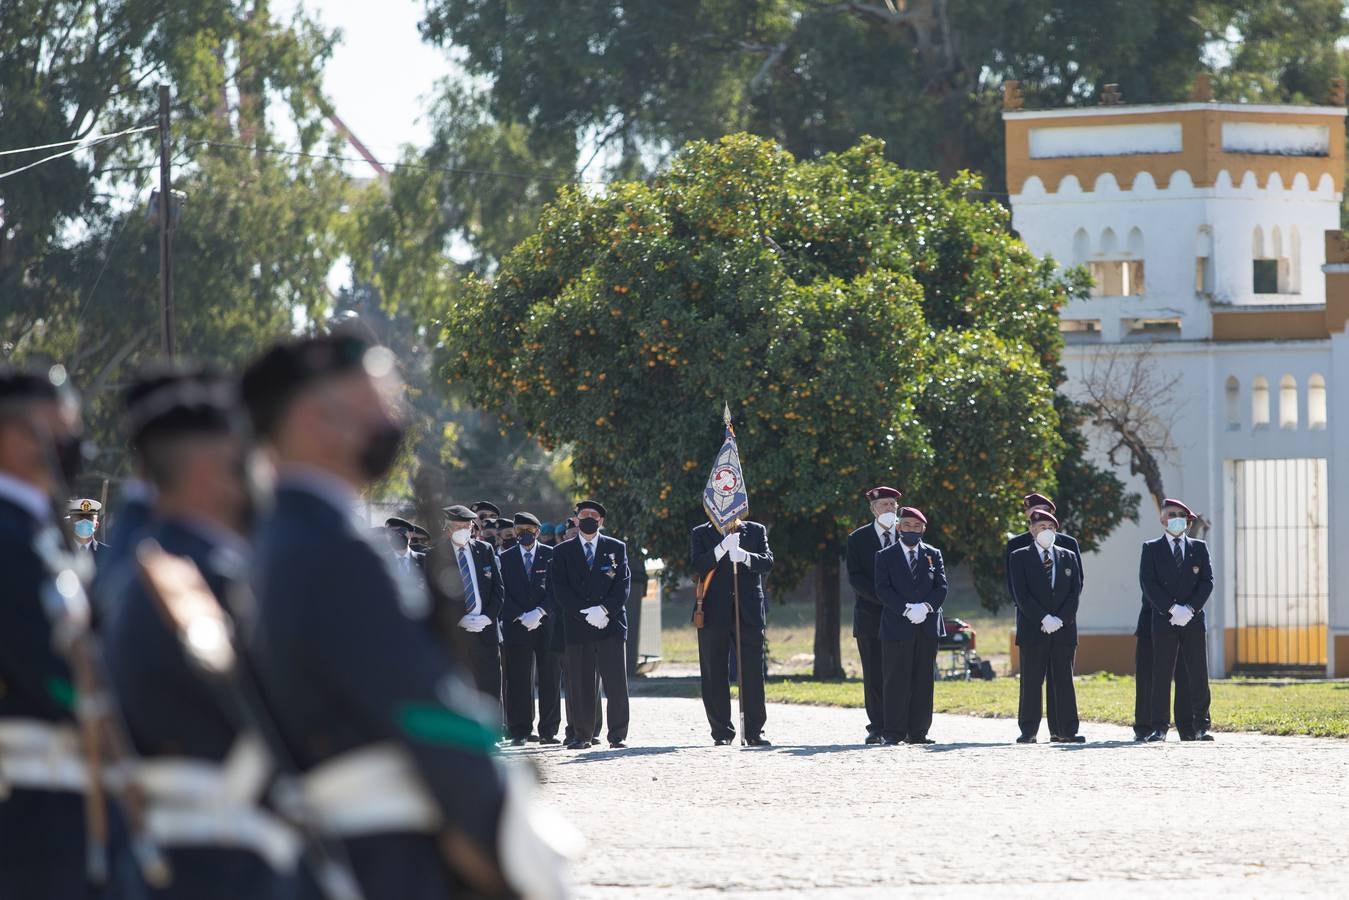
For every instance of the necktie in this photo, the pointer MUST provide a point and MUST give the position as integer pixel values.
(1048, 562)
(529, 563)
(913, 562)
(590, 554)
(470, 599)
(888, 540)
(1176, 554)
(407, 562)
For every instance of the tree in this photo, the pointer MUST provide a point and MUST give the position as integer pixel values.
(864, 322)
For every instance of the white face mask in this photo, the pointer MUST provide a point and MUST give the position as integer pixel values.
(1176, 525)
(1045, 538)
(460, 536)
(887, 519)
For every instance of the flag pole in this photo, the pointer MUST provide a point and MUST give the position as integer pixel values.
(735, 595)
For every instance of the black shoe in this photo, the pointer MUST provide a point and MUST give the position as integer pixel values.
(1203, 736)
(578, 745)
(919, 740)
(533, 738)
(888, 742)
(517, 742)
(593, 742)
(874, 739)
(1189, 737)
(1140, 737)
(721, 742)
(617, 745)
(549, 740)
(1156, 737)
(1072, 739)
(759, 741)
(1026, 739)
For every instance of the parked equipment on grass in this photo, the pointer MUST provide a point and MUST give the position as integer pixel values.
(957, 648)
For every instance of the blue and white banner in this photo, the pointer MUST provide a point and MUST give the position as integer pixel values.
(726, 498)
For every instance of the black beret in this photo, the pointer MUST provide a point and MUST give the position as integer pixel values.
(185, 406)
(31, 384)
(420, 531)
(592, 504)
(524, 518)
(395, 522)
(504, 523)
(161, 373)
(274, 379)
(458, 513)
(484, 506)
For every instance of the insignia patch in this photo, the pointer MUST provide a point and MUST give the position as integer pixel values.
(1196, 570)
(85, 506)
(1067, 571)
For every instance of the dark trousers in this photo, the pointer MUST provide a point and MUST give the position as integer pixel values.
(1143, 693)
(206, 873)
(42, 846)
(907, 668)
(608, 660)
(1189, 646)
(484, 659)
(713, 646)
(522, 666)
(869, 649)
(1037, 661)
(595, 704)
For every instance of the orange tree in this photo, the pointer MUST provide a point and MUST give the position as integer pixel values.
(866, 324)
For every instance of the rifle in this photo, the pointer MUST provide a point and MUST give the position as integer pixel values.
(206, 634)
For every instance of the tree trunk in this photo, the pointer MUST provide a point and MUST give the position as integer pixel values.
(828, 658)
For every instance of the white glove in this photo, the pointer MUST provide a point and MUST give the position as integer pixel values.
(531, 619)
(731, 542)
(1050, 624)
(597, 617)
(737, 555)
(1058, 623)
(915, 612)
(474, 624)
(1181, 615)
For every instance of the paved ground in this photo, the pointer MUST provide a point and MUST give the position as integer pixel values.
(975, 815)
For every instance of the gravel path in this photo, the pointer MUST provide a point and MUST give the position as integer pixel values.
(974, 815)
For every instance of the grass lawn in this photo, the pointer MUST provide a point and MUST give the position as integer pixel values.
(1314, 708)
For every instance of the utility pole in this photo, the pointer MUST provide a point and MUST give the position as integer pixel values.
(167, 343)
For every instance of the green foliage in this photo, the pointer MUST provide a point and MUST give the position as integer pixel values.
(866, 323)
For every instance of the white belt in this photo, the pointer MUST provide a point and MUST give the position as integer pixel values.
(373, 790)
(41, 756)
(193, 802)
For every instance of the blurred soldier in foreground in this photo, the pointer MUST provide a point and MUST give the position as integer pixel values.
(395, 747)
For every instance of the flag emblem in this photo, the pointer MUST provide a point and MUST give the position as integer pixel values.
(725, 498)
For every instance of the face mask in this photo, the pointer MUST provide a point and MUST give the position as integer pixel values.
(910, 538)
(84, 528)
(398, 541)
(1045, 538)
(526, 539)
(887, 519)
(507, 543)
(1177, 525)
(459, 536)
(381, 451)
(589, 526)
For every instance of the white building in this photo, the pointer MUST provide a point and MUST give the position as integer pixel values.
(1211, 232)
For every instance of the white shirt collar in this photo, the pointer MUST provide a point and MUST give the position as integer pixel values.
(1172, 538)
(324, 485)
(30, 499)
(589, 540)
(881, 532)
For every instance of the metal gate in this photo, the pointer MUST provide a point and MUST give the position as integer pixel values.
(1282, 563)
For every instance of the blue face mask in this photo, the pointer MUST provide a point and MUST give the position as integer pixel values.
(910, 538)
(1177, 525)
(84, 528)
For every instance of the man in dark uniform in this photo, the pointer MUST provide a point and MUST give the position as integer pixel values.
(569, 529)
(83, 516)
(419, 540)
(590, 581)
(713, 556)
(1030, 503)
(1047, 587)
(42, 839)
(192, 444)
(911, 583)
(473, 604)
(1177, 579)
(375, 714)
(863, 545)
(485, 523)
(528, 618)
(1143, 684)
(398, 532)
(505, 535)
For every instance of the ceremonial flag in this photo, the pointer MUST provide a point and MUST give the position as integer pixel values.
(725, 498)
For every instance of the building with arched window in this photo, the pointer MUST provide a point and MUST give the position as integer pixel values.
(1210, 231)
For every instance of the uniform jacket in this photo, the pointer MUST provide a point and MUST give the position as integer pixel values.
(897, 585)
(525, 591)
(449, 605)
(1025, 539)
(718, 611)
(863, 545)
(576, 588)
(1164, 583)
(1035, 598)
(343, 666)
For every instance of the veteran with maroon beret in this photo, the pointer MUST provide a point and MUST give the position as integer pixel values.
(863, 545)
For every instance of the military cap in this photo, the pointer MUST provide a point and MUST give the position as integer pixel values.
(396, 522)
(1044, 515)
(31, 384)
(1032, 501)
(503, 523)
(524, 518)
(274, 379)
(191, 404)
(591, 504)
(419, 531)
(484, 506)
(459, 513)
(1189, 513)
(882, 492)
(913, 512)
(83, 506)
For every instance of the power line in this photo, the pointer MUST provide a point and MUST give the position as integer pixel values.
(95, 139)
(73, 150)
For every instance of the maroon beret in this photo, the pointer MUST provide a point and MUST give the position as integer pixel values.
(1180, 506)
(913, 512)
(1033, 500)
(883, 493)
(1042, 515)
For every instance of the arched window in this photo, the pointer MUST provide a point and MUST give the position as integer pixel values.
(1271, 268)
(1081, 247)
(1116, 272)
(1294, 261)
(1233, 403)
(1260, 402)
(1288, 402)
(1203, 261)
(1316, 402)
